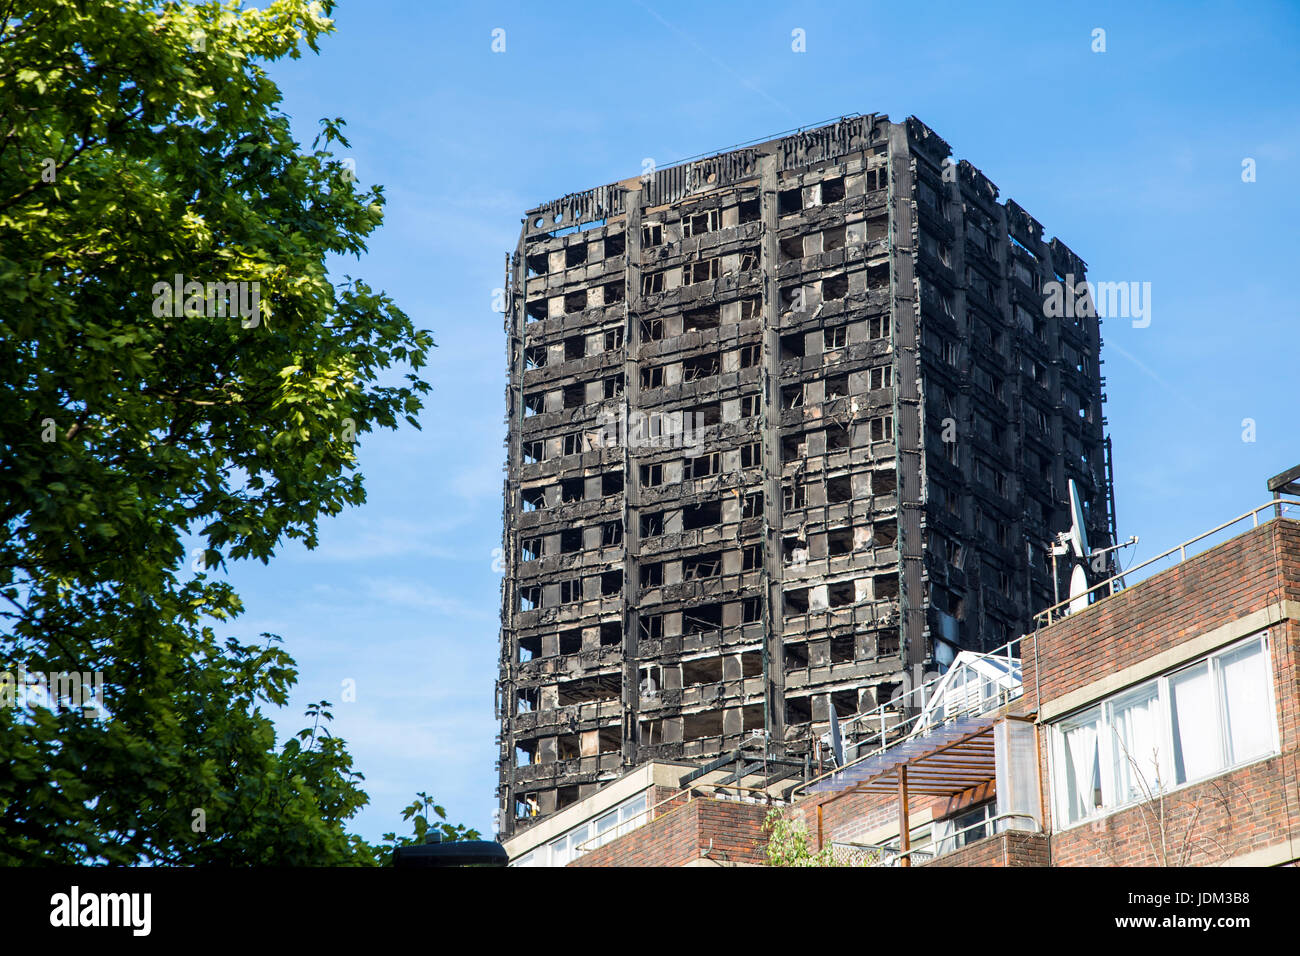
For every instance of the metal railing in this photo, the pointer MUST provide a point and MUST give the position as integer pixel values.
(884, 854)
(1279, 505)
(908, 714)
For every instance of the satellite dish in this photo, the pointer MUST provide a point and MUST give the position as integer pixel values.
(1078, 589)
(1078, 533)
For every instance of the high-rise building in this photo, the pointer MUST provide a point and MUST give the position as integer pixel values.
(789, 426)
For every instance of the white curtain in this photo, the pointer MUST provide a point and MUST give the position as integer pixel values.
(1137, 740)
(1195, 724)
(1082, 771)
(1248, 703)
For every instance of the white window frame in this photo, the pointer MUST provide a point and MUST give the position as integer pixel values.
(1103, 711)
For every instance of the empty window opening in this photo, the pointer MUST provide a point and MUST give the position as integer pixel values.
(611, 583)
(652, 234)
(796, 601)
(752, 557)
(841, 594)
(839, 489)
(792, 396)
(571, 640)
(535, 356)
(537, 264)
(530, 597)
(749, 211)
(835, 338)
(611, 634)
(789, 201)
(882, 428)
(877, 228)
(614, 245)
(885, 533)
(702, 566)
(530, 549)
(796, 656)
(751, 610)
(832, 190)
(885, 586)
(703, 670)
(751, 455)
(795, 550)
(877, 277)
(611, 483)
(703, 515)
(839, 542)
(751, 506)
(571, 591)
(700, 223)
(536, 310)
(534, 498)
(836, 287)
(534, 451)
(575, 395)
(699, 726)
(534, 403)
(572, 489)
(837, 437)
(792, 247)
(837, 386)
(570, 540)
(652, 282)
(652, 476)
(650, 626)
(798, 710)
(575, 301)
(566, 796)
(652, 377)
(845, 702)
(652, 524)
(793, 447)
(613, 339)
(652, 575)
(833, 239)
(702, 618)
(701, 366)
(703, 466)
(573, 444)
(748, 406)
(884, 482)
(575, 255)
(792, 346)
(652, 330)
(710, 414)
(575, 347)
(749, 356)
(613, 386)
(611, 534)
(882, 376)
(704, 271)
(698, 320)
(613, 293)
(585, 690)
(793, 495)
(529, 648)
(751, 308)
(526, 698)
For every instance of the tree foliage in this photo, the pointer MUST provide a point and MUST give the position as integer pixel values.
(140, 142)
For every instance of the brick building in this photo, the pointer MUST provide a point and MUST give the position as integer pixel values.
(1158, 726)
(787, 426)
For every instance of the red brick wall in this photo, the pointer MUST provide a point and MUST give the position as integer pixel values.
(1207, 823)
(724, 830)
(1005, 849)
(1234, 579)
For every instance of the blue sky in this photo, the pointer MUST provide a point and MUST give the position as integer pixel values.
(1133, 157)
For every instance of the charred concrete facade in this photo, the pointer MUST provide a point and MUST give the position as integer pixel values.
(788, 426)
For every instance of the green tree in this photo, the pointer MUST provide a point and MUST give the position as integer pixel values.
(787, 843)
(142, 141)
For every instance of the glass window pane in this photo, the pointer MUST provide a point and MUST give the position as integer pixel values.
(1135, 727)
(1195, 724)
(1248, 702)
(1081, 770)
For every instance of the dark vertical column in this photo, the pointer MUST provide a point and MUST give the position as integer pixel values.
(631, 485)
(905, 321)
(769, 430)
(506, 702)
